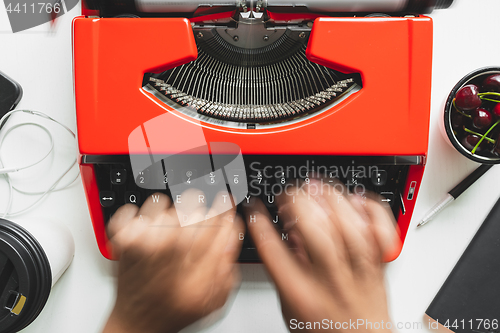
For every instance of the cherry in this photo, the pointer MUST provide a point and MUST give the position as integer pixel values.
(470, 141)
(492, 83)
(482, 118)
(467, 99)
(457, 120)
(496, 110)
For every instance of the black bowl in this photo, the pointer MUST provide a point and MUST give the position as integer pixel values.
(469, 78)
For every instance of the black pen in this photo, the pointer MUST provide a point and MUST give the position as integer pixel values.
(455, 192)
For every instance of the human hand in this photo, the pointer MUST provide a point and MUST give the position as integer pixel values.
(334, 277)
(170, 276)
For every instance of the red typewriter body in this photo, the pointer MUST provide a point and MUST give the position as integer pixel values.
(386, 120)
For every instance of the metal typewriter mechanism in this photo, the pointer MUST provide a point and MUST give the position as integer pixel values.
(252, 71)
(321, 88)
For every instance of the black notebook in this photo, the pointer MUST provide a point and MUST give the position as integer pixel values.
(469, 300)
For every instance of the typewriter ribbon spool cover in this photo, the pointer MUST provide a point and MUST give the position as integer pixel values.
(209, 97)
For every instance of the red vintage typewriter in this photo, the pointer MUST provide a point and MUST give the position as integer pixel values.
(334, 89)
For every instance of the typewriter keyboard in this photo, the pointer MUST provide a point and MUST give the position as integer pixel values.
(263, 177)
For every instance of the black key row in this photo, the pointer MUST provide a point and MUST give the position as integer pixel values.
(118, 184)
(119, 177)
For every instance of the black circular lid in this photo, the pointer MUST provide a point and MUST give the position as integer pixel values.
(25, 277)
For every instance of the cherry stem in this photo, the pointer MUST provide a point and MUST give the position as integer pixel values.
(489, 100)
(463, 114)
(489, 93)
(484, 136)
(479, 134)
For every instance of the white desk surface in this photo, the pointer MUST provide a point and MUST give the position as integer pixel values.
(465, 38)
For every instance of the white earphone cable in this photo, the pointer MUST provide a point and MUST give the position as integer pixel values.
(6, 170)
